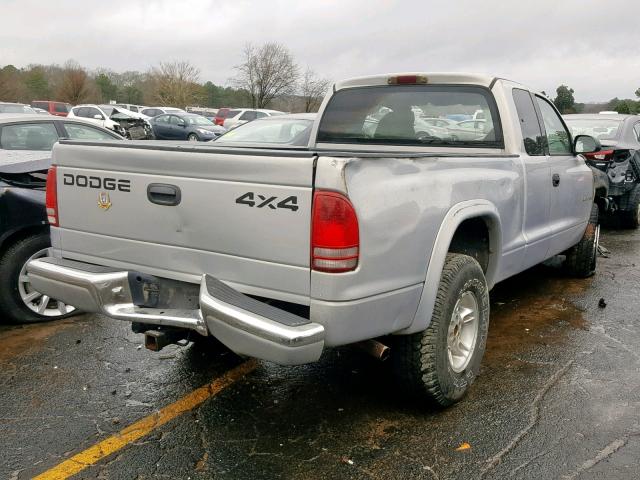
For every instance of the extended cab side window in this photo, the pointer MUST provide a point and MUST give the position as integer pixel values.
(558, 138)
(531, 132)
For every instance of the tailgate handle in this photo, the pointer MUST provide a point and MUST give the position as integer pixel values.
(164, 194)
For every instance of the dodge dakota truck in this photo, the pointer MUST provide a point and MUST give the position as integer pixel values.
(390, 234)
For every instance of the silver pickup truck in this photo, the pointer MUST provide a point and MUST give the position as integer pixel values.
(388, 227)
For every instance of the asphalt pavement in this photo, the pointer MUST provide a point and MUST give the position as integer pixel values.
(558, 398)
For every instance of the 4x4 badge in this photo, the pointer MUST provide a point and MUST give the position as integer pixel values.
(104, 202)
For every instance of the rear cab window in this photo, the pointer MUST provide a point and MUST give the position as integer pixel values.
(401, 115)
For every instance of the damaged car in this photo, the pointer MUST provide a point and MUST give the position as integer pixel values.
(131, 125)
(24, 236)
(619, 159)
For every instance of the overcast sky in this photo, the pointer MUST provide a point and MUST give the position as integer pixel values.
(591, 45)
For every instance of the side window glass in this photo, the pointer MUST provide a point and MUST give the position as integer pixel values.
(93, 111)
(28, 136)
(83, 132)
(531, 133)
(636, 129)
(558, 138)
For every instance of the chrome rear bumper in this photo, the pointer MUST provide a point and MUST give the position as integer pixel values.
(245, 325)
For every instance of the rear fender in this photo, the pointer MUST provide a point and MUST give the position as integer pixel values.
(452, 220)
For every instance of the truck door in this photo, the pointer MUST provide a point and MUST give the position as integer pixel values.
(571, 181)
(536, 226)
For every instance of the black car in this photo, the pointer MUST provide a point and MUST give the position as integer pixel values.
(185, 126)
(24, 235)
(619, 158)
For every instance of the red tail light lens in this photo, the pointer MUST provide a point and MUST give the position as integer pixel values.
(601, 155)
(52, 197)
(335, 239)
(407, 80)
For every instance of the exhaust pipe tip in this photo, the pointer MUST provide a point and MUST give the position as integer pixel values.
(375, 348)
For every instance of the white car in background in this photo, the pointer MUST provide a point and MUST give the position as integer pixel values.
(240, 116)
(114, 118)
(155, 111)
(95, 115)
(130, 107)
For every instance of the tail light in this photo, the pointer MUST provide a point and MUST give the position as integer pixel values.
(335, 239)
(408, 80)
(52, 197)
(601, 155)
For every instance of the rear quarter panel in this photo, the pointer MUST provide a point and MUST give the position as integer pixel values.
(401, 204)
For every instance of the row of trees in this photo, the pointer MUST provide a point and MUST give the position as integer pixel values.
(566, 103)
(268, 76)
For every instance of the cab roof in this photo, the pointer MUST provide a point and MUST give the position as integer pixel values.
(432, 78)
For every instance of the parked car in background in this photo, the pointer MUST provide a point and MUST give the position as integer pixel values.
(24, 236)
(423, 130)
(470, 130)
(241, 116)
(185, 126)
(221, 115)
(130, 107)
(40, 132)
(40, 111)
(619, 159)
(209, 113)
(438, 122)
(129, 124)
(8, 107)
(155, 111)
(61, 109)
(279, 131)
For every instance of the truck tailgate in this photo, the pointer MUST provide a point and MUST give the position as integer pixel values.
(242, 216)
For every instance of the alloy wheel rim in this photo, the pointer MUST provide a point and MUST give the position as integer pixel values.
(462, 334)
(35, 301)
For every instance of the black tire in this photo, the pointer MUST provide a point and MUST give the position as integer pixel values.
(12, 306)
(582, 258)
(421, 360)
(192, 137)
(630, 214)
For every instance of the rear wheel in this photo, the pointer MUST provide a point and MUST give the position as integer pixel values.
(582, 258)
(192, 137)
(440, 363)
(19, 302)
(630, 216)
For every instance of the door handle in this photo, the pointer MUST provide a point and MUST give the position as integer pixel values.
(555, 179)
(164, 194)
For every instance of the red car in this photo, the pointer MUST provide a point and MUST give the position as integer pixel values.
(221, 115)
(61, 109)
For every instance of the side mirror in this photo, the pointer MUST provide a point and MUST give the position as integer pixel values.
(586, 144)
(98, 117)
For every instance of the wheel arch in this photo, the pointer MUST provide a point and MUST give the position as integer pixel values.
(12, 236)
(467, 214)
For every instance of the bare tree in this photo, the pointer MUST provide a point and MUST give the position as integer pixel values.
(312, 89)
(176, 84)
(267, 72)
(74, 86)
